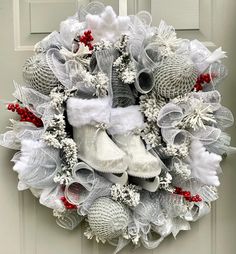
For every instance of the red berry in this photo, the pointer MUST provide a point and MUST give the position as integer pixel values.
(198, 87)
(207, 78)
(86, 38)
(63, 198)
(193, 199)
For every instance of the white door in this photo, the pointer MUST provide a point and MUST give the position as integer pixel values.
(28, 228)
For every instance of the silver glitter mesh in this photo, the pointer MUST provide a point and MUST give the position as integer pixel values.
(175, 76)
(122, 93)
(38, 74)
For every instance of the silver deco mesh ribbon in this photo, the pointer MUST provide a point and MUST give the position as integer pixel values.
(104, 59)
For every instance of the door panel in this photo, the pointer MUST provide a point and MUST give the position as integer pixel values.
(192, 19)
(29, 228)
(183, 14)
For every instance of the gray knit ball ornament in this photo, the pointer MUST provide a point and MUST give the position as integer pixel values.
(175, 76)
(38, 74)
(107, 218)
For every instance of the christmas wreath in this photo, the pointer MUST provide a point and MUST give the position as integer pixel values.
(121, 125)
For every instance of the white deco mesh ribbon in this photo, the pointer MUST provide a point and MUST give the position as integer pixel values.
(153, 214)
(92, 8)
(69, 220)
(51, 197)
(50, 41)
(32, 99)
(174, 136)
(212, 136)
(20, 131)
(139, 31)
(72, 74)
(86, 187)
(36, 102)
(202, 57)
(69, 29)
(169, 116)
(36, 165)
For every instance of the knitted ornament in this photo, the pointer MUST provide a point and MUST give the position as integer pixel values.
(38, 74)
(175, 76)
(108, 218)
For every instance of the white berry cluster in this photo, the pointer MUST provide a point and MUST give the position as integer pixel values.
(57, 137)
(151, 135)
(124, 66)
(182, 169)
(180, 151)
(150, 105)
(128, 194)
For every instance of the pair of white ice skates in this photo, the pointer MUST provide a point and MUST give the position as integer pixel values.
(117, 156)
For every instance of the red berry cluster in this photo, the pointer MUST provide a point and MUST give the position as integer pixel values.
(203, 78)
(25, 114)
(67, 204)
(187, 195)
(86, 39)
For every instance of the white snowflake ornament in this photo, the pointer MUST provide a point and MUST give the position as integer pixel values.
(204, 165)
(107, 26)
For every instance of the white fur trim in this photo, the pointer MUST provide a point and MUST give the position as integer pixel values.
(88, 111)
(125, 120)
(28, 147)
